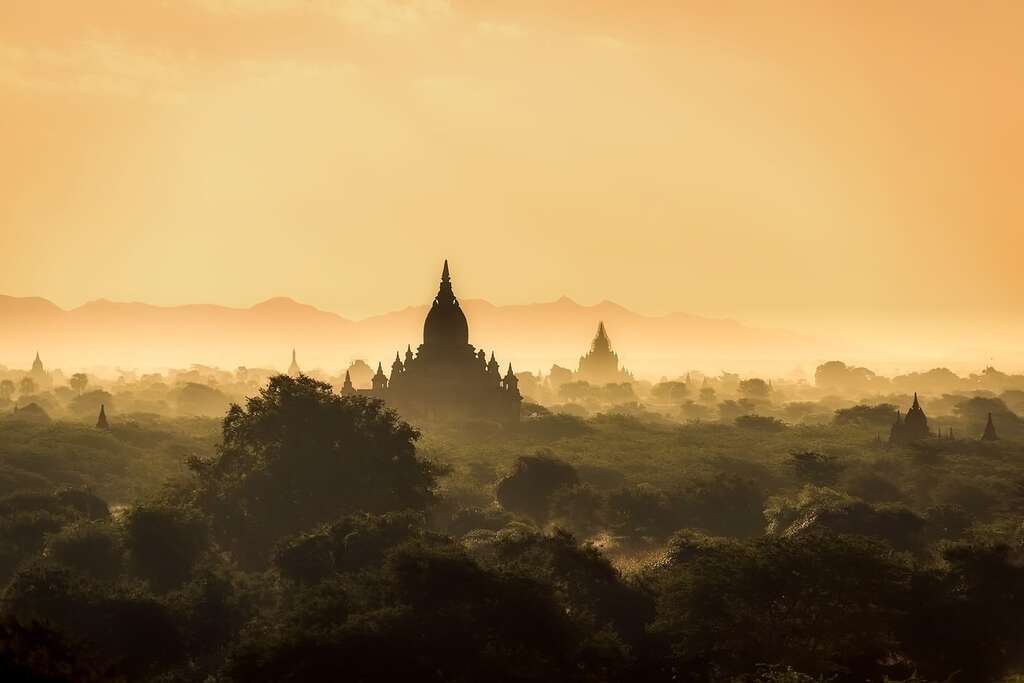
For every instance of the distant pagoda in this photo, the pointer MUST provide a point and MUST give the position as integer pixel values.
(601, 365)
(294, 370)
(39, 375)
(990, 431)
(913, 427)
(101, 421)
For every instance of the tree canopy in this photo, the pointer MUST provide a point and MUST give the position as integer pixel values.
(299, 455)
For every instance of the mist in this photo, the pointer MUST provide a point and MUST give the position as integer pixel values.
(436, 340)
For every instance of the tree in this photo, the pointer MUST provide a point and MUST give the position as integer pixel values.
(27, 386)
(297, 456)
(79, 381)
(878, 417)
(529, 488)
(838, 376)
(87, 405)
(754, 388)
(200, 399)
(7, 389)
(93, 549)
(761, 423)
(814, 467)
(826, 605)
(34, 652)
(164, 543)
(576, 391)
(670, 392)
(980, 592)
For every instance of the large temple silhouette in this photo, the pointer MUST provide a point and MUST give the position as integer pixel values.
(446, 377)
(601, 365)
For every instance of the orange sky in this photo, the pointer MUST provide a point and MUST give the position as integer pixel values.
(844, 167)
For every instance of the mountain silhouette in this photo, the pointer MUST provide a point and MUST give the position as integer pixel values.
(111, 334)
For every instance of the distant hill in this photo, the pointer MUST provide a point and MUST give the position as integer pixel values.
(532, 336)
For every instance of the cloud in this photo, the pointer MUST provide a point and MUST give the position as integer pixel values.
(384, 17)
(93, 67)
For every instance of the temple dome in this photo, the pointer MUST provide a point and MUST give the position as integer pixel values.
(446, 323)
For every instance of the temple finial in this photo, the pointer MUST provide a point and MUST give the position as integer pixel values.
(445, 276)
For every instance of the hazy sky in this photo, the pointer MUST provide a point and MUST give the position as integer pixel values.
(822, 165)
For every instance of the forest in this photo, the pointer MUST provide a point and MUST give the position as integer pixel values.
(303, 535)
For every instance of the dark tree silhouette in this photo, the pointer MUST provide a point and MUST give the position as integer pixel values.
(528, 490)
(164, 542)
(297, 456)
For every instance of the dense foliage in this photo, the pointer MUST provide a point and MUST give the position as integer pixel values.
(322, 539)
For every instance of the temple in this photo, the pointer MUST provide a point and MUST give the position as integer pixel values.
(39, 376)
(601, 365)
(990, 431)
(911, 428)
(446, 377)
(294, 370)
(101, 421)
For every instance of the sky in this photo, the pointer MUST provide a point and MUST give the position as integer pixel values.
(847, 168)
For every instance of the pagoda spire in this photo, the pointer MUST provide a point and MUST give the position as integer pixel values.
(445, 275)
(101, 421)
(990, 431)
(380, 380)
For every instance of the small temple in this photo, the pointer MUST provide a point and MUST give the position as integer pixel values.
(446, 376)
(39, 376)
(990, 431)
(601, 365)
(913, 427)
(294, 370)
(101, 421)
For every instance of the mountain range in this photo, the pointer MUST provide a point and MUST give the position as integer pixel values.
(107, 334)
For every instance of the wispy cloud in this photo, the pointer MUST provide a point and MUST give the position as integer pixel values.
(387, 17)
(94, 67)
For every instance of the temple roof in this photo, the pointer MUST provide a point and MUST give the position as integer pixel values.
(446, 324)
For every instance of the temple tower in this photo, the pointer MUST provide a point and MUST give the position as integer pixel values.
(101, 421)
(380, 380)
(990, 431)
(294, 370)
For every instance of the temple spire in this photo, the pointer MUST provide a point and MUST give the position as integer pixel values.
(990, 431)
(380, 380)
(445, 294)
(101, 421)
